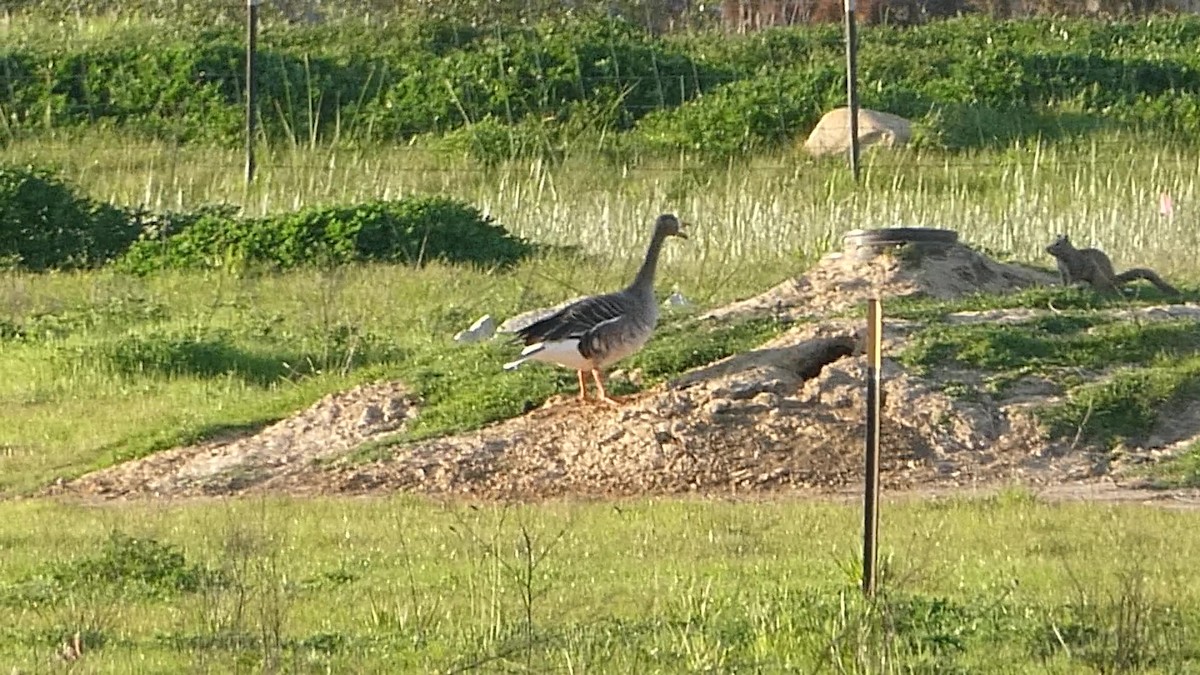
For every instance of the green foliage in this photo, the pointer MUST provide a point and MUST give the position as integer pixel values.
(1182, 470)
(748, 115)
(466, 389)
(367, 83)
(1126, 404)
(1139, 369)
(969, 81)
(140, 567)
(412, 230)
(45, 223)
(1057, 341)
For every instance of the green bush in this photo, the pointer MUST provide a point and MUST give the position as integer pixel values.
(745, 116)
(411, 231)
(365, 83)
(488, 88)
(44, 224)
(141, 567)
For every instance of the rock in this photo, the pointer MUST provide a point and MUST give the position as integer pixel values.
(483, 328)
(676, 300)
(634, 377)
(831, 136)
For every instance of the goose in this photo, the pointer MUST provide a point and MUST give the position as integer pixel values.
(593, 333)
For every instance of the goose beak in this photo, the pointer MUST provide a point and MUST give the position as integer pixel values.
(683, 225)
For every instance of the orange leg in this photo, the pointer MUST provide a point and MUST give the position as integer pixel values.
(603, 395)
(582, 387)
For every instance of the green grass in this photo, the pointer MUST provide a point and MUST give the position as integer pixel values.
(171, 358)
(150, 363)
(1055, 341)
(1054, 298)
(400, 585)
(1127, 404)
(1182, 471)
(782, 207)
(1119, 376)
(98, 367)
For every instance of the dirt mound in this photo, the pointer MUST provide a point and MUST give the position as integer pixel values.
(844, 279)
(331, 427)
(789, 414)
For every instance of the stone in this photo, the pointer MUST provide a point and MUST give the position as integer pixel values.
(831, 136)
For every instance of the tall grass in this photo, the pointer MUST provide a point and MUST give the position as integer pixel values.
(1103, 190)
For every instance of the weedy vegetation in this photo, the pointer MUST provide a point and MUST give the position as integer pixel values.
(415, 175)
(968, 585)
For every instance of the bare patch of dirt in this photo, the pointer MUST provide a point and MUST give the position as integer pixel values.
(844, 279)
(331, 427)
(785, 417)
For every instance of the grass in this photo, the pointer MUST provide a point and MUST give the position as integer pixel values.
(1055, 298)
(1181, 472)
(158, 361)
(1012, 200)
(172, 358)
(650, 586)
(1119, 376)
(97, 367)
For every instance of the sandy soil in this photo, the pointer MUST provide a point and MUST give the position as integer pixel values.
(784, 419)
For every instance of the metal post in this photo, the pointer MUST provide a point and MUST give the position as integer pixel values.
(852, 84)
(251, 84)
(871, 487)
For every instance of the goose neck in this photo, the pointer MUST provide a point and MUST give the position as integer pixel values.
(644, 281)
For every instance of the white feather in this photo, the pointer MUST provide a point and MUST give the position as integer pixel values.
(563, 353)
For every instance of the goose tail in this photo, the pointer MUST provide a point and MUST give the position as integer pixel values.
(526, 354)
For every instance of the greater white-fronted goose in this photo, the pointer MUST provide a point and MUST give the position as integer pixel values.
(595, 332)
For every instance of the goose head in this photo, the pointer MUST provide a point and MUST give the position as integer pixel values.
(667, 225)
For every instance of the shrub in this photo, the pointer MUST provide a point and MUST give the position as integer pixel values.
(139, 567)
(411, 231)
(44, 224)
(745, 116)
(489, 86)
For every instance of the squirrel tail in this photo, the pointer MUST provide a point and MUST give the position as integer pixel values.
(1148, 275)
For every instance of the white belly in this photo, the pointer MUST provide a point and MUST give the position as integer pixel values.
(565, 354)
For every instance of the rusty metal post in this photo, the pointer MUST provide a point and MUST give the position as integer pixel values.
(852, 84)
(251, 83)
(871, 486)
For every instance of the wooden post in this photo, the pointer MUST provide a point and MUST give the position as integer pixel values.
(871, 486)
(852, 84)
(251, 84)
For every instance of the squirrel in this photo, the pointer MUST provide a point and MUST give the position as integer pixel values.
(1094, 266)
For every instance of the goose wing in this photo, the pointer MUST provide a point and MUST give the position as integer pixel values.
(576, 320)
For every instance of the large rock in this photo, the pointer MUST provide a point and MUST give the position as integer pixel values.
(832, 136)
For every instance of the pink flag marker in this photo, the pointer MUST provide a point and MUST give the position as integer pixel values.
(1166, 208)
